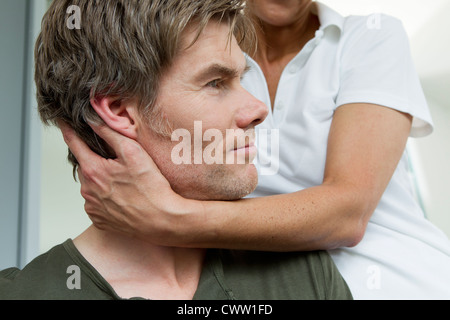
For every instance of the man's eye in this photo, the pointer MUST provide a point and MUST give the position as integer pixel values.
(215, 84)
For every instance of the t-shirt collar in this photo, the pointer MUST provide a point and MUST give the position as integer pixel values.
(328, 17)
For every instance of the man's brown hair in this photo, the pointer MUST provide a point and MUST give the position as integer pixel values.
(121, 50)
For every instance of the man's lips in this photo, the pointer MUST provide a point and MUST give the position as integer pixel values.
(247, 146)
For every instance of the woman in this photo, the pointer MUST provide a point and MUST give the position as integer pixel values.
(344, 98)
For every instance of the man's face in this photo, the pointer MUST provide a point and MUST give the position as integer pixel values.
(202, 91)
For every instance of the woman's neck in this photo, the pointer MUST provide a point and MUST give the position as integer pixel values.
(278, 45)
(277, 42)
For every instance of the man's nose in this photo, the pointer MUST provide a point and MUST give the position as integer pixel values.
(251, 113)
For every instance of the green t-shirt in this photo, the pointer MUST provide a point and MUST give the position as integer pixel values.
(64, 274)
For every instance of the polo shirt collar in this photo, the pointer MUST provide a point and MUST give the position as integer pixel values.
(328, 17)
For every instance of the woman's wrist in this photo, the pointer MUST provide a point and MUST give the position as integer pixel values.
(180, 222)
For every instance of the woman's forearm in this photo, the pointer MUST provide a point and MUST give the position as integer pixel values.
(323, 217)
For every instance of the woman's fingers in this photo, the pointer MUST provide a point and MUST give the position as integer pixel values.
(114, 139)
(80, 150)
(127, 194)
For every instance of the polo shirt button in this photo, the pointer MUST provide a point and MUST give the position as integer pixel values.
(319, 36)
(293, 68)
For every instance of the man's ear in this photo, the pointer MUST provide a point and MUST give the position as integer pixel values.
(120, 115)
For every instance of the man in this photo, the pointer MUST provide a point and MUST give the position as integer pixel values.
(146, 69)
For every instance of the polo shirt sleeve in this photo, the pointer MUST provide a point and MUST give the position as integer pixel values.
(377, 68)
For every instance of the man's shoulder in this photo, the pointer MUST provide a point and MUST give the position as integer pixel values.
(274, 258)
(8, 274)
(54, 275)
(312, 263)
(289, 275)
(35, 278)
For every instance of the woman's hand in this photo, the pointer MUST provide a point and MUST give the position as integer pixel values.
(127, 194)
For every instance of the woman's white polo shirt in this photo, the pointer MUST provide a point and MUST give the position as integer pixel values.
(355, 60)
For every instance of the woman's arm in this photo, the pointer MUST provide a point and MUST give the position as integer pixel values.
(365, 145)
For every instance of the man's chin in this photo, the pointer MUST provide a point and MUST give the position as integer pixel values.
(224, 194)
(223, 185)
(238, 188)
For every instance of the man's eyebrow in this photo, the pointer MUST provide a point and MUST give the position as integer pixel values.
(219, 70)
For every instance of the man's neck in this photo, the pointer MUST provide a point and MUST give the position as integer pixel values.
(135, 268)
